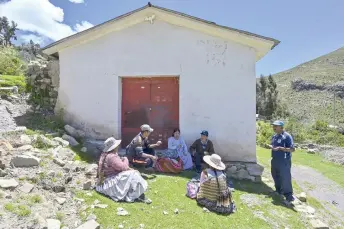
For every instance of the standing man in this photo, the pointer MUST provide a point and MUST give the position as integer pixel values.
(201, 147)
(139, 149)
(282, 146)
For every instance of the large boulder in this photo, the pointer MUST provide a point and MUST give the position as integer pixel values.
(254, 169)
(25, 161)
(74, 132)
(70, 139)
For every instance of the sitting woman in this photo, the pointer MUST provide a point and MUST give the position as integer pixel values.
(214, 193)
(176, 158)
(116, 179)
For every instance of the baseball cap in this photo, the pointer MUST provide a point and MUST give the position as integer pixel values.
(205, 133)
(146, 127)
(278, 123)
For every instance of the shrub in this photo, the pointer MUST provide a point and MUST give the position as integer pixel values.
(264, 133)
(10, 81)
(10, 62)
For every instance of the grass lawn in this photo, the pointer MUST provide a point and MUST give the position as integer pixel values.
(255, 208)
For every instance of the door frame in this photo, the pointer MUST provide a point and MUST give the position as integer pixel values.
(120, 94)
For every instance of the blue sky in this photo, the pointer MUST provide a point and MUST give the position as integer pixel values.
(307, 29)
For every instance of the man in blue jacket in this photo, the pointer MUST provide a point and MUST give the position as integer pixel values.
(281, 148)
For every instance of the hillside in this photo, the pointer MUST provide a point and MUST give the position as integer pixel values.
(308, 89)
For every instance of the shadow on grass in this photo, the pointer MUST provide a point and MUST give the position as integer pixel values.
(260, 189)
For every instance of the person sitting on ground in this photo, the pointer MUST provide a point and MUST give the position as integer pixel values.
(201, 147)
(139, 151)
(214, 194)
(115, 179)
(176, 158)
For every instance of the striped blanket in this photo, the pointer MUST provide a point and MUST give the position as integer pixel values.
(167, 165)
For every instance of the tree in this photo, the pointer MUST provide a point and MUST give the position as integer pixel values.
(8, 31)
(267, 102)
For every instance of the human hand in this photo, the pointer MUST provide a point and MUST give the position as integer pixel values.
(159, 143)
(154, 158)
(206, 153)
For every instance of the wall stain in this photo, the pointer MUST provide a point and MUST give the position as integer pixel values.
(215, 51)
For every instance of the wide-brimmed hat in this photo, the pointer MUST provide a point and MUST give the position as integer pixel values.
(111, 144)
(214, 161)
(146, 127)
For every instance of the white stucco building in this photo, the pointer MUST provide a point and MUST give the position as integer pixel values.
(167, 69)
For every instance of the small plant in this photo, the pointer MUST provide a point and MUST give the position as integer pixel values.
(60, 216)
(53, 179)
(10, 207)
(39, 143)
(23, 210)
(42, 175)
(78, 182)
(59, 174)
(35, 199)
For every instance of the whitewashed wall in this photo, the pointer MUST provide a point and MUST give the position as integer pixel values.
(217, 83)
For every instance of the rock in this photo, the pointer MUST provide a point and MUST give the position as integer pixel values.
(51, 173)
(74, 132)
(311, 151)
(58, 188)
(70, 139)
(91, 217)
(103, 206)
(242, 174)
(254, 169)
(96, 202)
(8, 183)
(206, 210)
(91, 224)
(25, 140)
(25, 161)
(87, 185)
(25, 148)
(68, 179)
(176, 211)
(20, 129)
(142, 226)
(59, 162)
(5, 146)
(46, 141)
(231, 170)
(165, 212)
(5, 195)
(120, 226)
(65, 227)
(83, 149)
(310, 210)
(53, 224)
(60, 200)
(122, 212)
(302, 197)
(26, 188)
(318, 224)
(91, 170)
(62, 142)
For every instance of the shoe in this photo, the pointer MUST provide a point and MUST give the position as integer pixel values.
(145, 200)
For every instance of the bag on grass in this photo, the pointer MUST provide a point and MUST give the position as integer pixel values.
(192, 189)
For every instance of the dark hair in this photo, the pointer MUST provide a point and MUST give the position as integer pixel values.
(175, 130)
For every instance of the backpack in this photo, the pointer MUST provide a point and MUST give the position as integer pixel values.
(192, 188)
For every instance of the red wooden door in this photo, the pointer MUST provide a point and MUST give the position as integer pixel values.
(135, 107)
(154, 101)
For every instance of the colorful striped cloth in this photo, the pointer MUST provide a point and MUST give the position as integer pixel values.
(167, 165)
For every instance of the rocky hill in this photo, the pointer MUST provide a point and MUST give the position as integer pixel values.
(309, 89)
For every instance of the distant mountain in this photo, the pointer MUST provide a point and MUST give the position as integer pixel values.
(308, 89)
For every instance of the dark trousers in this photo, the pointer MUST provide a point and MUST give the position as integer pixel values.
(280, 171)
(149, 161)
(198, 159)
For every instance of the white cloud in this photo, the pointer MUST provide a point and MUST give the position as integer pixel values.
(40, 17)
(36, 39)
(83, 26)
(77, 1)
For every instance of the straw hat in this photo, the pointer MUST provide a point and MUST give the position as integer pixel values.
(214, 161)
(111, 144)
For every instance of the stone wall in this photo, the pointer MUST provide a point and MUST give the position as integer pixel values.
(245, 171)
(43, 79)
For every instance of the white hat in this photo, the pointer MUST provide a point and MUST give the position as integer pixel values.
(111, 144)
(146, 127)
(214, 161)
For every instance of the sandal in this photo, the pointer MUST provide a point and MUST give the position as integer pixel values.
(143, 199)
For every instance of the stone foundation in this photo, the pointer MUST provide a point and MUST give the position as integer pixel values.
(244, 171)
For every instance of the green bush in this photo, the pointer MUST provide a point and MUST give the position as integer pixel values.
(264, 133)
(9, 81)
(10, 62)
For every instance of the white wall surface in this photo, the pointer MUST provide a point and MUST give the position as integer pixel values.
(217, 83)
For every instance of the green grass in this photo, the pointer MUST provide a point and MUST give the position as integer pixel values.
(20, 210)
(168, 193)
(10, 81)
(315, 161)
